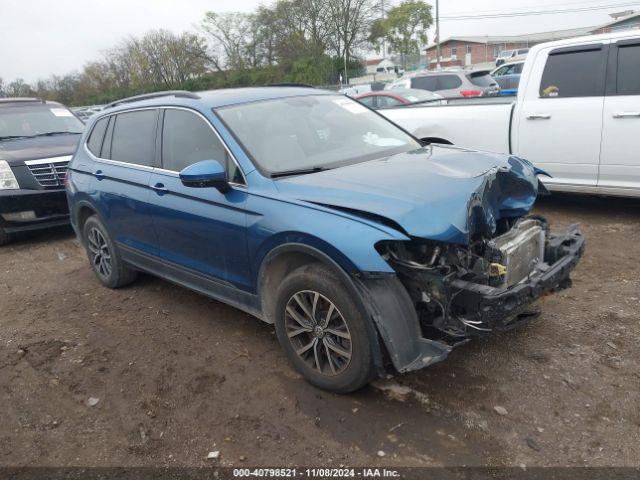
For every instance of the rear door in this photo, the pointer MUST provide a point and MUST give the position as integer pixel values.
(200, 230)
(122, 172)
(560, 117)
(619, 159)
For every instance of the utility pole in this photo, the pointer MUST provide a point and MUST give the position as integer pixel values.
(437, 35)
(384, 39)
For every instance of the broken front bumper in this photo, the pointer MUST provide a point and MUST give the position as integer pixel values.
(491, 309)
(488, 309)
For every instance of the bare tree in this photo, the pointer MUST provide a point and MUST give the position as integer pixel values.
(351, 22)
(231, 34)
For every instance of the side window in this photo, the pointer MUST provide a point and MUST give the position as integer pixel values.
(134, 136)
(188, 139)
(628, 78)
(368, 101)
(425, 83)
(574, 74)
(94, 144)
(517, 68)
(448, 82)
(388, 102)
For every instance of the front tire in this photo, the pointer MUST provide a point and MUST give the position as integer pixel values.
(104, 258)
(323, 332)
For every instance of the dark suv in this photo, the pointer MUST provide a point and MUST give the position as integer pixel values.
(37, 140)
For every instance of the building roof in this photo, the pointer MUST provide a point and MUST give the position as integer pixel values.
(530, 37)
(619, 20)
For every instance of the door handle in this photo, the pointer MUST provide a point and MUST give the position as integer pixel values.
(159, 188)
(538, 116)
(626, 114)
(98, 174)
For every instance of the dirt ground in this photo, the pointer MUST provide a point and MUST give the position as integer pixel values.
(176, 375)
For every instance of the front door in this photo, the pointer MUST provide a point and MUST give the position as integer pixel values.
(619, 160)
(560, 117)
(200, 230)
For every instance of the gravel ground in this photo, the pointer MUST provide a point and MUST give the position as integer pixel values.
(154, 374)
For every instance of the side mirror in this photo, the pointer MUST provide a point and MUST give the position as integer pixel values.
(208, 173)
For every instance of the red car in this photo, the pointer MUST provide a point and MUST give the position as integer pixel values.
(399, 96)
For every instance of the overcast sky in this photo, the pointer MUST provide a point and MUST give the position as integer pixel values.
(39, 38)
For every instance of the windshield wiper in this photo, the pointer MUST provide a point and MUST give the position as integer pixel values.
(9, 137)
(50, 134)
(302, 171)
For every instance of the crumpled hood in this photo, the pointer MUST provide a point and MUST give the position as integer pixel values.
(18, 150)
(436, 192)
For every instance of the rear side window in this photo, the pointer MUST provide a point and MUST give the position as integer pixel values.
(94, 144)
(189, 139)
(481, 80)
(448, 82)
(628, 78)
(574, 74)
(134, 136)
(368, 101)
(425, 83)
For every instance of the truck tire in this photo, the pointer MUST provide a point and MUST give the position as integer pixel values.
(104, 257)
(324, 334)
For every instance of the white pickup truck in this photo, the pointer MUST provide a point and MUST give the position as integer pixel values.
(576, 115)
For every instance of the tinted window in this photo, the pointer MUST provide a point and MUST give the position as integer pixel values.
(97, 135)
(189, 139)
(573, 74)
(448, 82)
(134, 136)
(629, 70)
(425, 83)
(517, 68)
(481, 80)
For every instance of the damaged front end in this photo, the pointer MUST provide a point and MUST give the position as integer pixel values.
(488, 286)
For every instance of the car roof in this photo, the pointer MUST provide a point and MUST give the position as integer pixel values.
(218, 98)
(587, 39)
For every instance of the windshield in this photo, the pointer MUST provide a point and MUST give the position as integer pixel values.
(313, 132)
(30, 121)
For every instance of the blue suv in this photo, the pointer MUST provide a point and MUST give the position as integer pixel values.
(369, 251)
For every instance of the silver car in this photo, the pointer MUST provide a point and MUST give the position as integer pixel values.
(451, 83)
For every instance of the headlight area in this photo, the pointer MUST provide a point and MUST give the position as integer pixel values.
(463, 291)
(7, 178)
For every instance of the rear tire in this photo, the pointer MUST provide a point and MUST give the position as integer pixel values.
(323, 331)
(5, 238)
(105, 260)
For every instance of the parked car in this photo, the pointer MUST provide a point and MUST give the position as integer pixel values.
(37, 139)
(306, 209)
(576, 116)
(510, 55)
(399, 96)
(450, 83)
(508, 77)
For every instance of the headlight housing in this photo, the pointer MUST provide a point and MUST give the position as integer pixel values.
(7, 178)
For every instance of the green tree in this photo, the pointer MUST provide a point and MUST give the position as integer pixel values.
(405, 28)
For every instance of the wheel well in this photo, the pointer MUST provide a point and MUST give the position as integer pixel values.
(436, 140)
(274, 273)
(83, 214)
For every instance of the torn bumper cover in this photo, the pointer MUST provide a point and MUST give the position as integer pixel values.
(487, 308)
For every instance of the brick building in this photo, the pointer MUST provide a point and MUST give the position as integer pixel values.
(477, 50)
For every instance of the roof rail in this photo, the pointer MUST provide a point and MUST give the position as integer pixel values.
(149, 96)
(21, 100)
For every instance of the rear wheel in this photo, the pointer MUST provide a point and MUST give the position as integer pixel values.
(323, 332)
(104, 258)
(5, 238)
